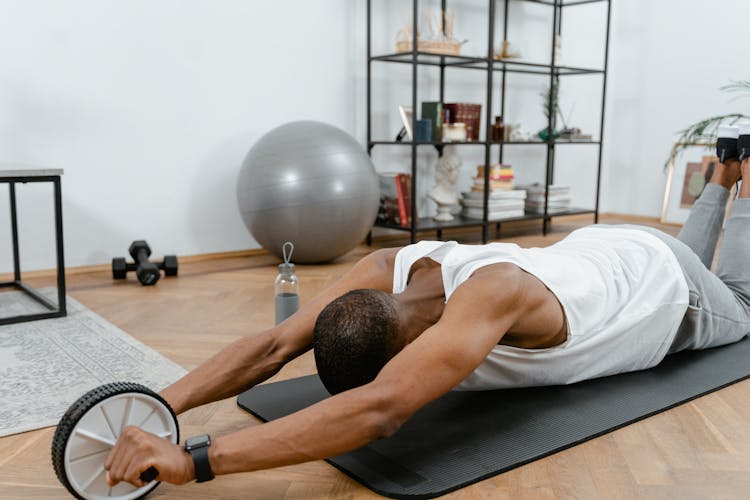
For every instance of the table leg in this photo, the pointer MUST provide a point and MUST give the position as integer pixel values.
(61, 304)
(14, 232)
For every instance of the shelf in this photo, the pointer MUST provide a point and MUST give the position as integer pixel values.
(570, 3)
(492, 68)
(482, 63)
(512, 66)
(430, 59)
(429, 224)
(431, 143)
(478, 143)
(571, 211)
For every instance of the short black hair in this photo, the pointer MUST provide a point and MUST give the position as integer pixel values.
(354, 337)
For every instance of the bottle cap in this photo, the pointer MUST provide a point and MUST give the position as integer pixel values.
(286, 268)
(744, 128)
(728, 131)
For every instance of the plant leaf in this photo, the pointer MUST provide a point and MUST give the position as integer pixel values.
(702, 132)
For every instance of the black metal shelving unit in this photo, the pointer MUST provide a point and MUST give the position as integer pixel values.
(491, 66)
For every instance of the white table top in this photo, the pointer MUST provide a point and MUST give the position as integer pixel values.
(19, 170)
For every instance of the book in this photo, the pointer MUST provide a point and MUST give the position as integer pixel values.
(388, 210)
(539, 189)
(470, 114)
(550, 210)
(433, 110)
(564, 198)
(478, 213)
(492, 203)
(551, 203)
(508, 194)
(498, 172)
(403, 217)
(395, 199)
(494, 185)
(406, 180)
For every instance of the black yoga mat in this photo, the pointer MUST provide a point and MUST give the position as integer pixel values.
(464, 437)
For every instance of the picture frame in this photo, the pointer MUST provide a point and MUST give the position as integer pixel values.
(687, 175)
(406, 117)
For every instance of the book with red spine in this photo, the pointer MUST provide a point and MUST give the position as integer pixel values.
(405, 181)
(404, 217)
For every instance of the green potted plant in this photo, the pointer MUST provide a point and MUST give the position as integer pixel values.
(550, 102)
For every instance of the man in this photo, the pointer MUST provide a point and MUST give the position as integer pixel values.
(403, 327)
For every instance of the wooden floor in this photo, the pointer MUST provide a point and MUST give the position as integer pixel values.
(698, 450)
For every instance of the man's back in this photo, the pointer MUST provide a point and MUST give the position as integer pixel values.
(621, 290)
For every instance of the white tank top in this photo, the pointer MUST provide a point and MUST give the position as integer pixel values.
(622, 290)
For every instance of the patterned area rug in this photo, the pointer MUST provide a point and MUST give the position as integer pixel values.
(46, 365)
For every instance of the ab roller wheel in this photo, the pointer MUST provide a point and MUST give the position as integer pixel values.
(89, 429)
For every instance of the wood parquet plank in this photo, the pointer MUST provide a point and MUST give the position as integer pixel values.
(699, 450)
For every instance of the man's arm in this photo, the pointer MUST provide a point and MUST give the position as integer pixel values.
(258, 357)
(476, 317)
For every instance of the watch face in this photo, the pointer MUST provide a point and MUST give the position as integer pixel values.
(197, 442)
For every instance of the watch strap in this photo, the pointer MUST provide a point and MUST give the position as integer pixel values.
(203, 470)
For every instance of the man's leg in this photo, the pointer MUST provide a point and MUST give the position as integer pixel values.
(718, 310)
(703, 227)
(719, 304)
(733, 267)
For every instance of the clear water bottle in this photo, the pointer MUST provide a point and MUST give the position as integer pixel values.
(287, 287)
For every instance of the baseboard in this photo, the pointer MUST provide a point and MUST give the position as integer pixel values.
(98, 268)
(638, 218)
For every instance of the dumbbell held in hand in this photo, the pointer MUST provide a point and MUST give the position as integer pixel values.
(148, 272)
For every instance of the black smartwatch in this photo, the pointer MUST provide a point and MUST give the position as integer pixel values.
(197, 446)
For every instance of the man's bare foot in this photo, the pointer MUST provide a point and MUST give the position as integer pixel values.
(728, 173)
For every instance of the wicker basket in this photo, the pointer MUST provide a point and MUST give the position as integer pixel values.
(442, 47)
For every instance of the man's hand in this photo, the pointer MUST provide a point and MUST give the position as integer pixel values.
(137, 450)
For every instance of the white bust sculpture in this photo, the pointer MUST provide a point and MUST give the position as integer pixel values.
(446, 175)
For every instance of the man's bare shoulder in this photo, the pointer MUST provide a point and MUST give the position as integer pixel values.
(375, 270)
(496, 284)
(502, 275)
(541, 319)
(491, 285)
(383, 258)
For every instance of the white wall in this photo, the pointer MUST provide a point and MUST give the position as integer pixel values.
(668, 60)
(151, 106)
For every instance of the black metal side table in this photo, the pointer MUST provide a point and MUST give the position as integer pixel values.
(23, 175)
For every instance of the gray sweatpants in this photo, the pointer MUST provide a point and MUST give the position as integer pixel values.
(719, 304)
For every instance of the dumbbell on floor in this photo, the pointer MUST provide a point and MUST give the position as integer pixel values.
(148, 272)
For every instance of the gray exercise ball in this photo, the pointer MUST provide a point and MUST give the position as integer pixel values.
(309, 183)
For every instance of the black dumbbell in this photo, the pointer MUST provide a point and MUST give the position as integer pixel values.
(148, 272)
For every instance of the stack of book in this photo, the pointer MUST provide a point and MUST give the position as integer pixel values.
(501, 178)
(395, 199)
(504, 202)
(501, 205)
(558, 201)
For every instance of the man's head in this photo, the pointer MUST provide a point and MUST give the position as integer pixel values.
(354, 337)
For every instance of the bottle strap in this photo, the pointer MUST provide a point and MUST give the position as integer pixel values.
(287, 258)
